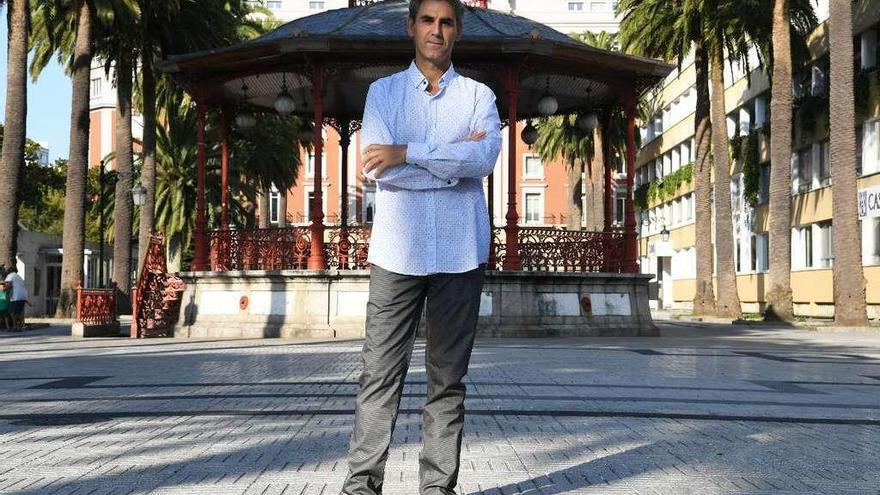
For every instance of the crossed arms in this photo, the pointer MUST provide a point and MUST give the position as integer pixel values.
(428, 165)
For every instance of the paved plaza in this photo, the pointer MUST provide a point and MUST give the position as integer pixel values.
(705, 409)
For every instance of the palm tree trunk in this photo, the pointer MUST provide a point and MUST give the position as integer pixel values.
(849, 276)
(575, 195)
(263, 208)
(124, 168)
(73, 242)
(12, 159)
(728, 296)
(148, 168)
(175, 253)
(779, 304)
(704, 295)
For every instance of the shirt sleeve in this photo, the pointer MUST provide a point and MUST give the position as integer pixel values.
(374, 130)
(451, 161)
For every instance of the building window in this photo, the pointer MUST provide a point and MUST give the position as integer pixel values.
(760, 112)
(826, 245)
(274, 205)
(823, 163)
(761, 252)
(763, 183)
(534, 208)
(369, 205)
(575, 6)
(869, 49)
(687, 205)
(619, 209)
(817, 81)
(803, 177)
(313, 5)
(870, 147)
(598, 6)
(96, 87)
(871, 240)
(533, 168)
(273, 4)
(738, 256)
(803, 247)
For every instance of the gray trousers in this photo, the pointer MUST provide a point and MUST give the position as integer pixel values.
(393, 311)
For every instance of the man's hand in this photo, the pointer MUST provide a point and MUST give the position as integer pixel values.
(477, 136)
(379, 157)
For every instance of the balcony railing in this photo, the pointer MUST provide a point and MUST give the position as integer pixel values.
(540, 249)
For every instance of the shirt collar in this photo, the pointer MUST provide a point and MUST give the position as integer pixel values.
(420, 81)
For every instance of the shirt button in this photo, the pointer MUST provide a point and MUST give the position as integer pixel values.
(449, 181)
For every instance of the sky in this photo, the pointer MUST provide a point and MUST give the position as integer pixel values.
(48, 113)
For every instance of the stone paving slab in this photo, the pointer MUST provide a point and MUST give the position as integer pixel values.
(705, 409)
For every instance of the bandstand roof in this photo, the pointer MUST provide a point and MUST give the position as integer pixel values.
(358, 45)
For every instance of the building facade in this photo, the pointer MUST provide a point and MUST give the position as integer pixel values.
(668, 150)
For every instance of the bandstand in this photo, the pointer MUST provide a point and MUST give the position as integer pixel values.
(312, 281)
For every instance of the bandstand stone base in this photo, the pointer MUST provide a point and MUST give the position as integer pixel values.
(332, 304)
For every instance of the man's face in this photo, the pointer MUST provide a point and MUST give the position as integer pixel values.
(434, 31)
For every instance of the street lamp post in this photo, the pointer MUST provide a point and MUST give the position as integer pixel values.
(101, 179)
(138, 194)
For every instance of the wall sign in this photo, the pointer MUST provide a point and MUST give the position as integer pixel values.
(869, 202)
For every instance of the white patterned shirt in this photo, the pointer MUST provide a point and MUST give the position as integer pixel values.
(431, 213)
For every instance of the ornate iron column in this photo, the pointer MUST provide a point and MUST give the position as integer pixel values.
(608, 163)
(511, 257)
(346, 129)
(200, 258)
(630, 263)
(317, 260)
(224, 173)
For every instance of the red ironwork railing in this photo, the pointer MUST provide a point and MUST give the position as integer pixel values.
(157, 295)
(346, 248)
(555, 250)
(289, 248)
(96, 306)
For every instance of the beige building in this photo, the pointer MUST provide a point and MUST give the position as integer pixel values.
(668, 149)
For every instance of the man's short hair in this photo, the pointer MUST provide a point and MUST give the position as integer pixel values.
(12, 269)
(457, 7)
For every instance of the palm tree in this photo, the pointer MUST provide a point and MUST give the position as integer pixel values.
(717, 39)
(779, 298)
(670, 30)
(561, 137)
(125, 169)
(66, 29)
(12, 158)
(849, 276)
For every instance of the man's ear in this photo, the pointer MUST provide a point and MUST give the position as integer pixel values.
(410, 27)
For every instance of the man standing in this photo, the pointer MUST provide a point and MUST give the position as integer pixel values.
(18, 298)
(429, 136)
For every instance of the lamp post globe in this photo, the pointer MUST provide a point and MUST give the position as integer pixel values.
(529, 134)
(138, 194)
(548, 104)
(245, 120)
(284, 104)
(588, 122)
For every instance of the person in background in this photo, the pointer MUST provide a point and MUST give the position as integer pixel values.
(18, 298)
(5, 317)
